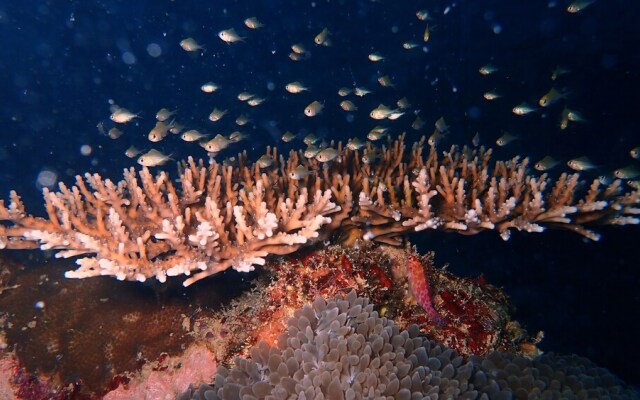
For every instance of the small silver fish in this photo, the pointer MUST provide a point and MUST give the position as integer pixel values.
(564, 119)
(427, 34)
(385, 81)
(244, 96)
(100, 127)
(300, 172)
(122, 116)
(523, 109)
(491, 95)
(288, 136)
(310, 139)
(253, 23)
(114, 133)
(132, 152)
(242, 120)
(153, 158)
(322, 37)
(326, 155)
(435, 138)
(298, 48)
(295, 56)
(579, 5)
(552, 96)
(375, 57)
(158, 132)
(487, 69)
(361, 91)
(175, 127)
(634, 184)
(418, 123)
(410, 45)
(230, 36)
(265, 161)
(311, 151)
(313, 109)
(580, 164)
(355, 144)
(217, 144)
(380, 112)
(190, 44)
(348, 105)
(441, 125)
(192, 135)
(403, 103)
(635, 152)
(423, 15)
(377, 133)
(475, 140)
(164, 114)
(574, 116)
(209, 87)
(370, 157)
(237, 136)
(216, 115)
(505, 139)
(628, 172)
(295, 87)
(545, 164)
(256, 101)
(342, 92)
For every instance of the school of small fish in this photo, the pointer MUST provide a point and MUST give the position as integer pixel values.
(387, 117)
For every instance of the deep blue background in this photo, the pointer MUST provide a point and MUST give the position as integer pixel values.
(61, 63)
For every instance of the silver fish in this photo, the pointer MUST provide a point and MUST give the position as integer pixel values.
(153, 158)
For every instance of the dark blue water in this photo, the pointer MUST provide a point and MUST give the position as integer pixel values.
(61, 63)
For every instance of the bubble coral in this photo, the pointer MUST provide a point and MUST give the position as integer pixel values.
(342, 349)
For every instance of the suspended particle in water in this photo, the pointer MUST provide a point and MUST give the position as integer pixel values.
(46, 178)
(154, 50)
(128, 58)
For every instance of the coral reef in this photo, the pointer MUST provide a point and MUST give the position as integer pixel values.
(169, 377)
(90, 334)
(235, 215)
(120, 336)
(342, 349)
(475, 316)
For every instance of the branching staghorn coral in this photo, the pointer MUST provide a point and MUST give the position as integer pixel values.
(235, 215)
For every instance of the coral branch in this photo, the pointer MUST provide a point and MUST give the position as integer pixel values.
(234, 216)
